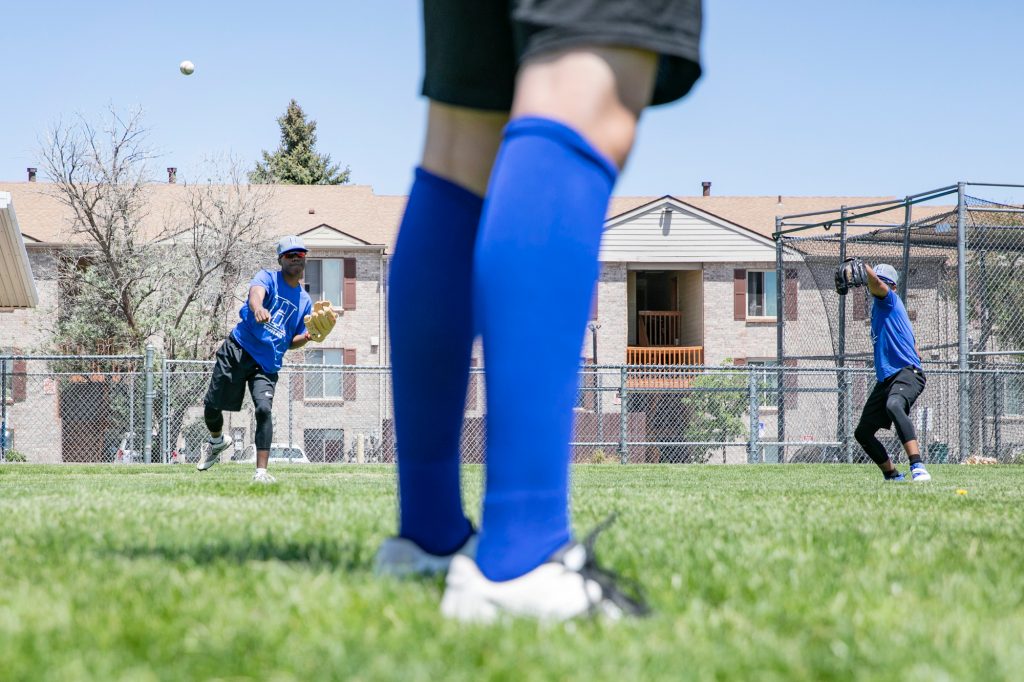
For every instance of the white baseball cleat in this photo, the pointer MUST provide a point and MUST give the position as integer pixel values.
(263, 477)
(211, 453)
(918, 474)
(567, 585)
(402, 558)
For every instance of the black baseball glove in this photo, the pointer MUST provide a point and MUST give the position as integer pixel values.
(849, 275)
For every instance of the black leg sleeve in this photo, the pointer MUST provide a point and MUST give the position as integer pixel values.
(899, 411)
(214, 419)
(865, 435)
(264, 424)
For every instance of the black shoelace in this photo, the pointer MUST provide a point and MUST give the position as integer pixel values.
(610, 581)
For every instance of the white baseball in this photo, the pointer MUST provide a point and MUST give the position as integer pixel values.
(187, 67)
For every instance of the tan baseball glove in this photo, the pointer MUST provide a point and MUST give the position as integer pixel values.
(320, 323)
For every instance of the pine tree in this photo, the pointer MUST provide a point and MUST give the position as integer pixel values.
(296, 161)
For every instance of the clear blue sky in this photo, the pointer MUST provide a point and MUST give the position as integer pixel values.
(798, 97)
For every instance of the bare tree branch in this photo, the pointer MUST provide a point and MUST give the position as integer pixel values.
(174, 282)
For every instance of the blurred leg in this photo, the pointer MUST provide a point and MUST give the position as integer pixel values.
(431, 322)
(574, 120)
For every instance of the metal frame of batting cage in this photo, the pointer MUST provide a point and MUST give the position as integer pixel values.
(789, 226)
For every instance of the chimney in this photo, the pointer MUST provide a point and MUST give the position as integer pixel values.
(172, 175)
(707, 188)
(31, 174)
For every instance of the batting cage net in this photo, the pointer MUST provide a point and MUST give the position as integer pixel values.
(957, 255)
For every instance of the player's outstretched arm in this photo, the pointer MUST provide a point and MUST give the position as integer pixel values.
(256, 296)
(876, 286)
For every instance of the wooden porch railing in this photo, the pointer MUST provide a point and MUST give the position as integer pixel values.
(665, 355)
(659, 327)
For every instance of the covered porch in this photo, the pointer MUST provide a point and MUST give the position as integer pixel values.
(666, 317)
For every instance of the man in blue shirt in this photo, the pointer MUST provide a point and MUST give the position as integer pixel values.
(899, 374)
(272, 322)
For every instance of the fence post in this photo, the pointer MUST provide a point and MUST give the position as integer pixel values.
(997, 417)
(623, 452)
(902, 286)
(841, 396)
(147, 421)
(962, 338)
(165, 418)
(755, 416)
(780, 347)
(291, 380)
(848, 415)
(133, 428)
(3, 408)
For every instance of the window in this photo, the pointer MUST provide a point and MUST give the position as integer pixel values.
(325, 279)
(324, 445)
(765, 374)
(761, 293)
(328, 382)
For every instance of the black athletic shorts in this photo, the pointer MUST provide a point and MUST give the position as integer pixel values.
(474, 47)
(908, 382)
(233, 370)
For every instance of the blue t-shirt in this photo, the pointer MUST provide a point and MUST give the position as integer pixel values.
(288, 307)
(892, 337)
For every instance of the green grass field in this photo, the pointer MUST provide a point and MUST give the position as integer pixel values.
(766, 572)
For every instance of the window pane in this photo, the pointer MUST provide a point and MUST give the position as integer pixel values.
(770, 292)
(755, 294)
(332, 281)
(314, 283)
(314, 441)
(765, 378)
(334, 445)
(332, 378)
(314, 379)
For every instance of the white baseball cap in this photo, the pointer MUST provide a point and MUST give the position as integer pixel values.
(290, 243)
(887, 272)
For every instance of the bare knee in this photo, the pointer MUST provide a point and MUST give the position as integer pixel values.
(462, 143)
(598, 91)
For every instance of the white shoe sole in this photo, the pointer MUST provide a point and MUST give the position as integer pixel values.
(549, 592)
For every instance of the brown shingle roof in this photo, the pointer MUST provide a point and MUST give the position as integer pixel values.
(358, 211)
(353, 209)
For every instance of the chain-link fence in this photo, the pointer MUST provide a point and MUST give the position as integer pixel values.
(72, 409)
(130, 410)
(958, 258)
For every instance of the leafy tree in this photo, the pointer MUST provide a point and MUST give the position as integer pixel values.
(296, 161)
(716, 413)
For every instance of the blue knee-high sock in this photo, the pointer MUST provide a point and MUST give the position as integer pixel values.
(533, 277)
(431, 328)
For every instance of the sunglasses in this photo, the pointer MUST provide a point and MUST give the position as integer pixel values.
(294, 254)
